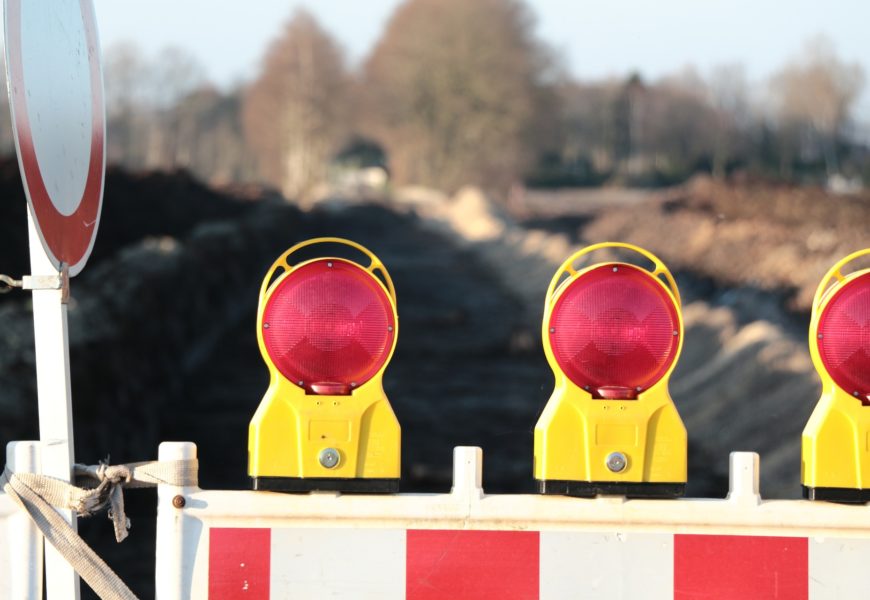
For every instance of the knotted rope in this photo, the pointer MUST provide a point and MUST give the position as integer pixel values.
(39, 495)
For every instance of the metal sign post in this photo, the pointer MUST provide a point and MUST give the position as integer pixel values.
(51, 343)
(56, 99)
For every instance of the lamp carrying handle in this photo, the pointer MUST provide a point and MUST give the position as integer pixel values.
(375, 265)
(567, 267)
(835, 272)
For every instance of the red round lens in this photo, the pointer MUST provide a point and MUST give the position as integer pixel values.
(844, 337)
(613, 331)
(328, 326)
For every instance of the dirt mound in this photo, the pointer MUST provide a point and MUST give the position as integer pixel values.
(163, 346)
(136, 206)
(163, 343)
(744, 367)
(776, 238)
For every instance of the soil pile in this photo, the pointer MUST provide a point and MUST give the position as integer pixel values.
(744, 381)
(163, 346)
(776, 238)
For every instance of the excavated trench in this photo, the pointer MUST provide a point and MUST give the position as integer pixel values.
(163, 344)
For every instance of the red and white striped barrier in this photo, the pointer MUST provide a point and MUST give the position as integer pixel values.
(467, 545)
(430, 564)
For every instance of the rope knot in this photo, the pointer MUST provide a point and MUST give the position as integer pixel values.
(109, 492)
(38, 494)
(114, 474)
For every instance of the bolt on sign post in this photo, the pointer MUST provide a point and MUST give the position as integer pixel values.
(612, 333)
(327, 328)
(835, 464)
(55, 87)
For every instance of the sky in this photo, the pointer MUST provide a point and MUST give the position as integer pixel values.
(596, 39)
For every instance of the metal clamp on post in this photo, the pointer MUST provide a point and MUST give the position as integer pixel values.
(58, 281)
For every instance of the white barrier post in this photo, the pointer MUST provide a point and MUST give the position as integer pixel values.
(172, 571)
(467, 472)
(24, 542)
(51, 341)
(743, 478)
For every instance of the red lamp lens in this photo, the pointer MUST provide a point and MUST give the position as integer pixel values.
(844, 337)
(329, 325)
(613, 331)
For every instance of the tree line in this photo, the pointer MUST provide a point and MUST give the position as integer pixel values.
(459, 92)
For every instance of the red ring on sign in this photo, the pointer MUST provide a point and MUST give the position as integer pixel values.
(68, 239)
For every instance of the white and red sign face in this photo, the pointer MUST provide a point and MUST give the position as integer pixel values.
(385, 564)
(56, 96)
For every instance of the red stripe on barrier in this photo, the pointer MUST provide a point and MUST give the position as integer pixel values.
(238, 563)
(472, 565)
(725, 567)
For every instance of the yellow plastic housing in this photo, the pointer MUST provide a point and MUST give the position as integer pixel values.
(290, 428)
(835, 445)
(576, 432)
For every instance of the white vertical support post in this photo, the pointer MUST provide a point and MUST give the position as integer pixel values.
(24, 540)
(172, 571)
(467, 472)
(51, 341)
(743, 478)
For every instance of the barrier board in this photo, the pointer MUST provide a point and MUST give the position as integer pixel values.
(465, 544)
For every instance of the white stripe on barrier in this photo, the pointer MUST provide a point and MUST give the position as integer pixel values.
(604, 566)
(368, 564)
(839, 568)
(422, 564)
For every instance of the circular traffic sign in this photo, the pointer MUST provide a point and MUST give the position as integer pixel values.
(56, 97)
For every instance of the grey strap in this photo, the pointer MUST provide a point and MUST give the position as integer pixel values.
(38, 494)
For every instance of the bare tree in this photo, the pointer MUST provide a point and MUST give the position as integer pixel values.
(730, 98)
(127, 75)
(211, 140)
(683, 123)
(454, 91)
(145, 129)
(295, 113)
(585, 124)
(818, 90)
(174, 75)
(639, 132)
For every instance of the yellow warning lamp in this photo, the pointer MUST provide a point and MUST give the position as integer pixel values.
(835, 446)
(327, 328)
(612, 333)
